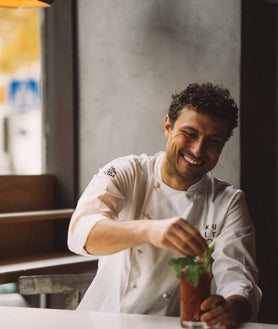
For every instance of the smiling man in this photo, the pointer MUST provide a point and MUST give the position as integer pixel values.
(140, 211)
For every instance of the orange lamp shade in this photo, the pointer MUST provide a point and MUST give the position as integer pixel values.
(25, 3)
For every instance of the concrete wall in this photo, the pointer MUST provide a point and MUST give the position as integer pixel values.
(133, 54)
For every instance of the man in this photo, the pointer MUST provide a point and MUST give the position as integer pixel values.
(140, 211)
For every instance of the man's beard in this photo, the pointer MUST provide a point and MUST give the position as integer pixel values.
(184, 177)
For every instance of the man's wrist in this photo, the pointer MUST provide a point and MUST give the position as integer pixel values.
(240, 306)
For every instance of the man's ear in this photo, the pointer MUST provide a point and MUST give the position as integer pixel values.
(167, 126)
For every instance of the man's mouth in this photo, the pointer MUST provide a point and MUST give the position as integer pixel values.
(191, 160)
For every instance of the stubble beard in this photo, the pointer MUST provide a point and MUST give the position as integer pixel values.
(184, 178)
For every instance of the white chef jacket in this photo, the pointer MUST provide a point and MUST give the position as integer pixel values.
(139, 280)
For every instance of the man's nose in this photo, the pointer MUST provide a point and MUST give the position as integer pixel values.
(197, 147)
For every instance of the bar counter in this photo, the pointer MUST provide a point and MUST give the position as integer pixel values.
(35, 318)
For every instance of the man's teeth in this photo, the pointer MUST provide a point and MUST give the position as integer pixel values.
(190, 160)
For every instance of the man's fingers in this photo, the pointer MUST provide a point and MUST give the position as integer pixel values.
(177, 235)
(191, 240)
(217, 311)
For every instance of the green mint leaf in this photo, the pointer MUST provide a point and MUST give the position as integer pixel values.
(192, 267)
(180, 263)
(192, 273)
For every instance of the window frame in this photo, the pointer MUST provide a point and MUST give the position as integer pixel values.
(60, 99)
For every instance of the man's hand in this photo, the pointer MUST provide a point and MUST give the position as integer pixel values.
(228, 313)
(178, 235)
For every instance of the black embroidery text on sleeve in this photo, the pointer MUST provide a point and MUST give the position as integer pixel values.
(111, 171)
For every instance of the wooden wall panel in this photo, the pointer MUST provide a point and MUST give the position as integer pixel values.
(26, 239)
(26, 193)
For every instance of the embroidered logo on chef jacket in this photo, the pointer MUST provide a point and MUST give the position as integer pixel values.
(210, 232)
(111, 171)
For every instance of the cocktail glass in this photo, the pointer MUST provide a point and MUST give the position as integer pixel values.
(191, 298)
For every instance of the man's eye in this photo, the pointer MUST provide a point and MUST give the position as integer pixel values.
(190, 135)
(215, 142)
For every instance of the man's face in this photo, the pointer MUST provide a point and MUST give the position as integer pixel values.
(193, 147)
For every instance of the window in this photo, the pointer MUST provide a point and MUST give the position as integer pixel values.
(58, 99)
(20, 96)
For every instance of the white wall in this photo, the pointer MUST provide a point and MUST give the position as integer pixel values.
(133, 54)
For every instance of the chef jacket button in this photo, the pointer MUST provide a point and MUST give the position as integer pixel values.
(165, 295)
(139, 251)
(157, 184)
(133, 285)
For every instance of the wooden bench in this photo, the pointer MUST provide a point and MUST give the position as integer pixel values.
(33, 233)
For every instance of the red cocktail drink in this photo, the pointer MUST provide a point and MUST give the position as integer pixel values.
(191, 299)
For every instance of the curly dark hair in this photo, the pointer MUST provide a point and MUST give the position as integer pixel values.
(206, 98)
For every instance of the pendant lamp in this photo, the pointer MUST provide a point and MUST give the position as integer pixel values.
(25, 3)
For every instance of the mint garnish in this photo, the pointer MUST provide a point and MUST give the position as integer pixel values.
(193, 267)
(207, 256)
